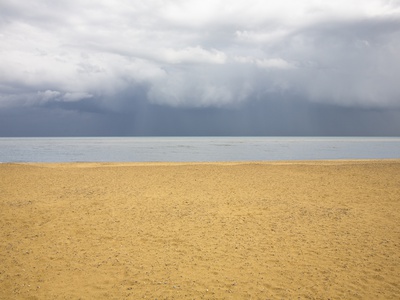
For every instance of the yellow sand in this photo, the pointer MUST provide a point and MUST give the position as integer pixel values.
(283, 230)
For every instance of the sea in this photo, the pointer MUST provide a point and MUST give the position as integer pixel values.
(195, 149)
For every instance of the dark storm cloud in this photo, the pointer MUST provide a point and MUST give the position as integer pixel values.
(199, 67)
(278, 116)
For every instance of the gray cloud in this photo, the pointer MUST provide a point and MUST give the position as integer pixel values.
(237, 68)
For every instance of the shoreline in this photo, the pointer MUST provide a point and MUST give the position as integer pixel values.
(227, 162)
(216, 230)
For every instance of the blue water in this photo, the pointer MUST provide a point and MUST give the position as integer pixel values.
(183, 149)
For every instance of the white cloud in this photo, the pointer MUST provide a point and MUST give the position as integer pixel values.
(48, 95)
(256, 37)
(265, 63)
(192, 55)
(274, 63)
(200, 52)
(76, 96)
(56, 96)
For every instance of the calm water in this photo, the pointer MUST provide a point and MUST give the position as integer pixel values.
(142, 149)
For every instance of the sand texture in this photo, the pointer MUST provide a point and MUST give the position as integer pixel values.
(259, 230)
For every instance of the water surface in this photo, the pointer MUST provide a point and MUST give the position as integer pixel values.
(197, 149)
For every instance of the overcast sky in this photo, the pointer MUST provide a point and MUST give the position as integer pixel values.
(199, 67)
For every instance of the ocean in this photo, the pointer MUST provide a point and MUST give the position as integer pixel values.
(195, 149)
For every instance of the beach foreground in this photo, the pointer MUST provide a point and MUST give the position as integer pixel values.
(259, 230)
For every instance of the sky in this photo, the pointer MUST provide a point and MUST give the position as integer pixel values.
(199, 67)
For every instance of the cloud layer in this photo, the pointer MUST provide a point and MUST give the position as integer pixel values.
(196, 54)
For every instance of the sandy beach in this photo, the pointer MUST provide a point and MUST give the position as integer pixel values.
(251, 230)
